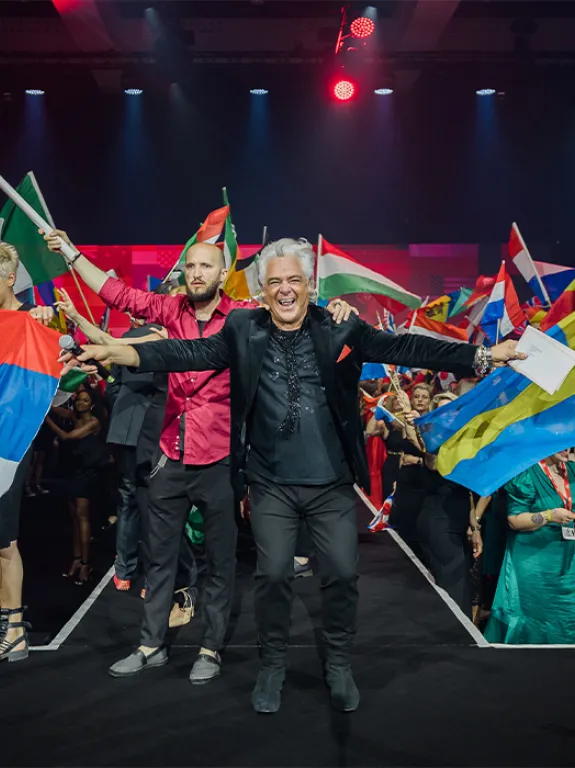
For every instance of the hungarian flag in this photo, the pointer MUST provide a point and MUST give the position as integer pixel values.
(424, 326)
(563, 307)
(37, 264)
(338, 275)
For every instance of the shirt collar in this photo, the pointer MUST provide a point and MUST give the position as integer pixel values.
(224, 307)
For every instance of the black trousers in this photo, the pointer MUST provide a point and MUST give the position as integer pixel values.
(330, 514)
(128, 527)
(442, 528)
(174, 488)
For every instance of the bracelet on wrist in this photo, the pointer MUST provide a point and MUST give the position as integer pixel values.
(483, 361)
(548, 516)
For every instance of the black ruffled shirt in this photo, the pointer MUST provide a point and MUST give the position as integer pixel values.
(298, 445)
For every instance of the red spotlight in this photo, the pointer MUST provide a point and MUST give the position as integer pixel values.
(343, 90)
(362, 27)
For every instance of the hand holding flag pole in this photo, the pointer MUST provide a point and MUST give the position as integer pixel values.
(67, 250)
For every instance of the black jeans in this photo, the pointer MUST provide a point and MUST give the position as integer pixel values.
(330, 514)
(174, 488)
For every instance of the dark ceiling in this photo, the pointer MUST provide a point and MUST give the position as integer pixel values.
(108, 42)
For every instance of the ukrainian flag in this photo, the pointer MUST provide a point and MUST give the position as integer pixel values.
(503, 426)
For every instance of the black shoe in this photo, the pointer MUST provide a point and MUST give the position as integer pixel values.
(267, 692)
(344, 694)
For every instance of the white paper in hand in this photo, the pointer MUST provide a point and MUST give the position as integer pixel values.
(548, 363)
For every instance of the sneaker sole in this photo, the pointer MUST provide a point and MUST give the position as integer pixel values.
(138, 671)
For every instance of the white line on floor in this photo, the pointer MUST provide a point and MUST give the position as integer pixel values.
(451, 604)
(71, 625)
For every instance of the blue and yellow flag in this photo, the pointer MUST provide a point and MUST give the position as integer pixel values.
(503, 426)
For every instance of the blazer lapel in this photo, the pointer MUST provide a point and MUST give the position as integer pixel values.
(257, 345)
(321, 337)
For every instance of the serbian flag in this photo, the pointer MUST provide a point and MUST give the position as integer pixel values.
(29, 375)
(502, 309)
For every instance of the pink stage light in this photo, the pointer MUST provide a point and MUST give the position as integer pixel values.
(344, 90)
(362, 27)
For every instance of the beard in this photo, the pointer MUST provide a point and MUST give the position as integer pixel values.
(203, 293)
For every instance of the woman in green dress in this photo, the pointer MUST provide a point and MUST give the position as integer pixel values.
(535, 598)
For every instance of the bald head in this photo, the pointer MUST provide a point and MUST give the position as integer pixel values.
(207, 249)
(205, 271)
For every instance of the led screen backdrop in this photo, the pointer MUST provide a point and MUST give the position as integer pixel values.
(428, 270)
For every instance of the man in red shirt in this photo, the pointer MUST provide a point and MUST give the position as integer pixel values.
(193, 461)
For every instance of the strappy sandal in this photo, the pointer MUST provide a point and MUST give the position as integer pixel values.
(81, 580)
(73, 570)
(8, 650)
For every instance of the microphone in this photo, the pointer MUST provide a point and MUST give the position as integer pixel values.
(68, 344)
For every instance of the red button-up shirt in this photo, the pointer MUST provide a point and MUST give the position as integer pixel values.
(202, 398)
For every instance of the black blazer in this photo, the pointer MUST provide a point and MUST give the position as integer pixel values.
(340, 350)
(128, 398)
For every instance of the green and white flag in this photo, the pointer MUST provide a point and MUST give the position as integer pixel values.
(69, 383)
(37, 263)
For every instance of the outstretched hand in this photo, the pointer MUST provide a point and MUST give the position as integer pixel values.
(505, 352)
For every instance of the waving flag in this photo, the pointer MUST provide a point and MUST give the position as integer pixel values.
(424, 326)
(29, 374)
(338, 275)
(547, 281)
(503, 426)
(209, 232)
(562, 308)
(37, 263)
(502, 309)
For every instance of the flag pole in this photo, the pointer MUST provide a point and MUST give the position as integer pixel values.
(319, 252)
(415, 311)
(81, 292)
(498, 331)
(535, 270)
(68, 250)
(264, 235)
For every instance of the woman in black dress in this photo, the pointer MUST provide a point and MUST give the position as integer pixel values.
(446, 516)
(87, 455)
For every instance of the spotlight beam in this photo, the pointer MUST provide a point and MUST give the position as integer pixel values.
(90, 34)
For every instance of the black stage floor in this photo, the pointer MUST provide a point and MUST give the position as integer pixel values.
(430, 696)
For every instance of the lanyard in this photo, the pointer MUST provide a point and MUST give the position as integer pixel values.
(566, 499)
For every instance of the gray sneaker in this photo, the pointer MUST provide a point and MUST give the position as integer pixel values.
(206, 668)
(138, 661)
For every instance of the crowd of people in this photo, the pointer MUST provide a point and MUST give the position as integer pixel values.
(209, 397)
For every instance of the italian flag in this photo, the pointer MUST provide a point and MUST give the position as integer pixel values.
(338, 275)
(425, 326)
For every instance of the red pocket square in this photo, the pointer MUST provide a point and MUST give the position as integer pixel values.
(344, 353)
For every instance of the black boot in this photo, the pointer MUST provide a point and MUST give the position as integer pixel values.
(267, 692)
(344, 694)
